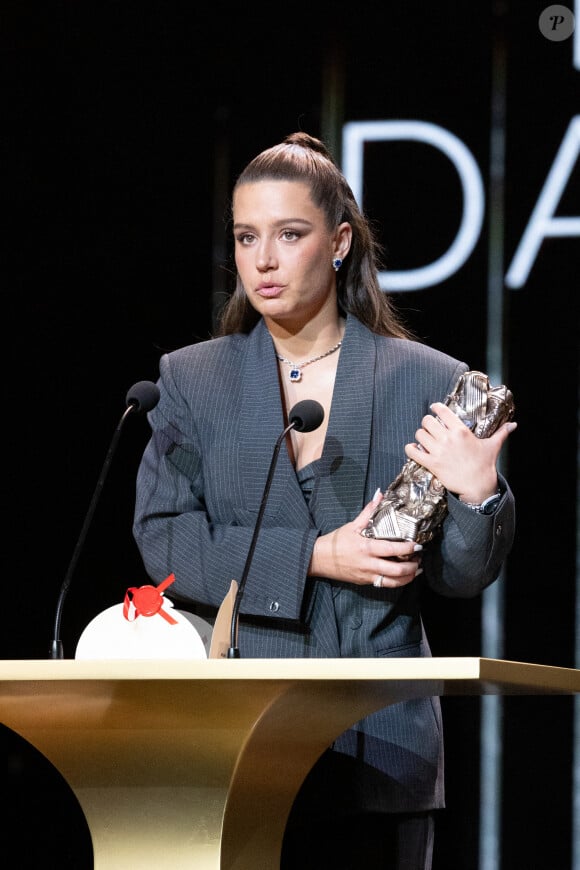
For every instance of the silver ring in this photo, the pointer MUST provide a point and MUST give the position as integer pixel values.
(378, 582)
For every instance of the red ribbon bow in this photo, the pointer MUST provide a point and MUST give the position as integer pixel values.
(147, 601)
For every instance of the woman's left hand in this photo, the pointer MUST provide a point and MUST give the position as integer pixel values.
(462, 462)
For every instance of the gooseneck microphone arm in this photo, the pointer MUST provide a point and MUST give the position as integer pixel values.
(142, 397)
(305, 416)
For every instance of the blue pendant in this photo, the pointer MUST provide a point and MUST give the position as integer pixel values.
(295, 375)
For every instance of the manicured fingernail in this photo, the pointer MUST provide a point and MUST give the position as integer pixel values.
(417, 547)
(418, 571)
(377, 493)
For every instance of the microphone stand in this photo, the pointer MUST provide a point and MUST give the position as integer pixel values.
(56, 650)
(233, 651)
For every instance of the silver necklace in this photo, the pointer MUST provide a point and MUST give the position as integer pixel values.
(295, 373)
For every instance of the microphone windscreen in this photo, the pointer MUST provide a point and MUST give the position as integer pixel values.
(143, 395)
(306, 415)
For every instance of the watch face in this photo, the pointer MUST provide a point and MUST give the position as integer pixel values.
(490, 504)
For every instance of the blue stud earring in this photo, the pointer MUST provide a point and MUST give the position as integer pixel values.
(336, 264)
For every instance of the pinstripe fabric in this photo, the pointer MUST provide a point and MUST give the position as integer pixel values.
(199, 488)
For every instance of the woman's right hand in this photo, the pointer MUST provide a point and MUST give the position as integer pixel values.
(346, 555)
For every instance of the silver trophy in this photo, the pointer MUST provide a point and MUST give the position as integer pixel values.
(414, 505)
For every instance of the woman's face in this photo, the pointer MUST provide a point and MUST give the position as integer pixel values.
(284, 251)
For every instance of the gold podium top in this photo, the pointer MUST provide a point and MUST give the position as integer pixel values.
(497, 673)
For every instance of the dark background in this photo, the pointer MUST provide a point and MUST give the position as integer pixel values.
(124, 126)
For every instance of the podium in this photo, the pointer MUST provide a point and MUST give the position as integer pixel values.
(195, 764)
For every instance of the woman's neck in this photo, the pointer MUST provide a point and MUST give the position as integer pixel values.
(308, 340)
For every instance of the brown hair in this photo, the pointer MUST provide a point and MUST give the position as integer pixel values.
(301, 157)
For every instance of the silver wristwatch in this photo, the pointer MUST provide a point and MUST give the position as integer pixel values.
(488, 506)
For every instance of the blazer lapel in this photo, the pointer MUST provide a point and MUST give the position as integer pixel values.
(344, 467)
(261, 424)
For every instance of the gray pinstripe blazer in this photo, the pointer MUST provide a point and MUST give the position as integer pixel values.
(199, 488)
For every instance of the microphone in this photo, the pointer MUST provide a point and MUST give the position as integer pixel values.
(304, 416)
(142, 397)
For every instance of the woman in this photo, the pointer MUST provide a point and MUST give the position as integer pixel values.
(308, 320)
